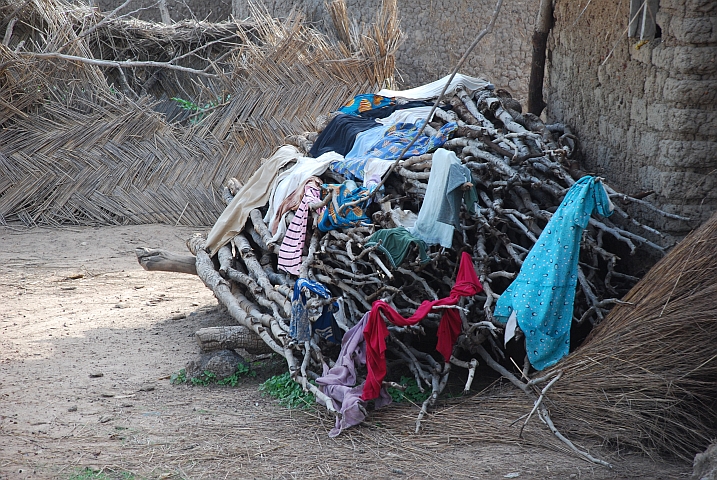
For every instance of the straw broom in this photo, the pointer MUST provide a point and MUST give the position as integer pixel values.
(646, 378)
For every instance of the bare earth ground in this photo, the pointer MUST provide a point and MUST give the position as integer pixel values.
(75, 303)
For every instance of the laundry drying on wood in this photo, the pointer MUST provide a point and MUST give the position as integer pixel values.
(354, 264)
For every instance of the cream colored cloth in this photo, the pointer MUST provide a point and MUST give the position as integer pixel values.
(433, 89)
(255, 193)
(290, 179)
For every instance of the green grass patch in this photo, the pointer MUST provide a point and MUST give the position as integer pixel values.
(90, 474)
(209, 378)
(288, 392)
(198, 110)
(178, 378)
(410, 394)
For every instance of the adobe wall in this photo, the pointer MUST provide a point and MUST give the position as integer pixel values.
(436, 34)
(646, 115)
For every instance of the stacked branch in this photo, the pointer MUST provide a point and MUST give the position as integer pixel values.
(521, 169)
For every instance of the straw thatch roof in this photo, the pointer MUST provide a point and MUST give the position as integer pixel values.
(85, 143)
(646, 378)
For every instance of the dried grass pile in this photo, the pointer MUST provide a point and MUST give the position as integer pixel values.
(81, 135)
(646, 378)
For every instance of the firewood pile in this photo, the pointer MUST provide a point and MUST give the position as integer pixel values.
(520, 169)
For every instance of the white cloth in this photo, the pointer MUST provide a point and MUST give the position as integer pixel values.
(290, 179)
(374, 170)
(510, 328)
(407, 115)
(253, 194)
(427, 226)
(433, 89)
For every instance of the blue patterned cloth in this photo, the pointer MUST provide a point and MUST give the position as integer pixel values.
(399, 135)
(335, 217)
(302, 326)
(543, 294)
(365, 102)
(389, 145)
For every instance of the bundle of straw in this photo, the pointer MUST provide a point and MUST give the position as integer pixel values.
(646, 378)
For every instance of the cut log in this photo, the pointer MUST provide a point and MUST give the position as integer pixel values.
(236, 336)
(156, 260)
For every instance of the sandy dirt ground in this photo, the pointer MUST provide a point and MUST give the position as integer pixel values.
(88, 341)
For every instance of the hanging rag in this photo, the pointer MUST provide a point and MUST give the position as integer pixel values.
(340, 134)
(433, 89)
(427, 226)
(293, 243)
(395, 243)
(458, 175)
(253, 194)
(367, 170)
(291, 178)
(277, 226)
(365, 103)
(543, 293)
(366, 140)
(339, 382)
(449, 328)
(305, 321)
(334, 216)
(373, 172)
(353, 165)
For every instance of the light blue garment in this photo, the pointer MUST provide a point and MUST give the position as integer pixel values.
(427, 226)
(353, 165)
(366, 140)
(543, 294)
(401, 134)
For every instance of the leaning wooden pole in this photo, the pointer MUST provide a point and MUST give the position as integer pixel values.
(536, 103)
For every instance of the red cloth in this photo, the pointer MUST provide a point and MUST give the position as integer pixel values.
(449, 328)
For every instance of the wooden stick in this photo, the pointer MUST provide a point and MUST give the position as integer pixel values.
(157, 260)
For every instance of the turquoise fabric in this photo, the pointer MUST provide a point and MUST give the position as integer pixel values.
(543, 294)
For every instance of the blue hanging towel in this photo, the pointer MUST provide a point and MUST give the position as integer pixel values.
(302, 326)
(543, 294)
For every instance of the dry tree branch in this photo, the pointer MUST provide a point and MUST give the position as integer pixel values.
(117, 64)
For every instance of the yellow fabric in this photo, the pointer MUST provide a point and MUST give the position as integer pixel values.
(255, 193)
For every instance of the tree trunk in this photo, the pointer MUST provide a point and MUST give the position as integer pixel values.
(536, 104)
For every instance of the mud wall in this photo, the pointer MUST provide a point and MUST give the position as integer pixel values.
(645, 113)
(436, 33)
